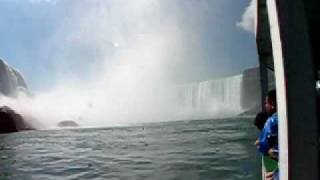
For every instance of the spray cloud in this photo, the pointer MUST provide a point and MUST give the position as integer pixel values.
(126, 53)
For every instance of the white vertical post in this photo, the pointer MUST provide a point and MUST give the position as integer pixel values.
(280, 88)
(294, 63)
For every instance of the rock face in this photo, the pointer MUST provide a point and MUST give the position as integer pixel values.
(67, 123)
(10, 121)
(11, 81)
(250, 90)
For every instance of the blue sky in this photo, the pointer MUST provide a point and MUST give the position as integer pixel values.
(52, 39)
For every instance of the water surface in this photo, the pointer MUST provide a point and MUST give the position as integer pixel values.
(207, 149)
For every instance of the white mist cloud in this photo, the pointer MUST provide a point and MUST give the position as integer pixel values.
(249, 18)
(126, 76)
(128, 52)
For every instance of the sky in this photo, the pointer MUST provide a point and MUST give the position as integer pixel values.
(182, 41)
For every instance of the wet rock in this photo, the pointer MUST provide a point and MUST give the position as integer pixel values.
(10, 121)
(68, 123)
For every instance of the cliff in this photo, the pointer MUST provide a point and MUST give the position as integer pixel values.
(10, 121)
(251, 91)
(11, 82)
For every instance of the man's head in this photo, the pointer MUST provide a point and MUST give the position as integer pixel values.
(271, 102)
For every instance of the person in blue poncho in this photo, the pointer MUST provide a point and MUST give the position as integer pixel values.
(267, 143)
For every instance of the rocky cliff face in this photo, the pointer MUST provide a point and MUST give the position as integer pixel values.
(10, 121)
(251, 91)
(11, 81)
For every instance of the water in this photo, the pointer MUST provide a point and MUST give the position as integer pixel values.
(208, 149)
(213, 98)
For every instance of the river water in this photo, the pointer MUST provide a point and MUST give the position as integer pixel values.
(220, 149)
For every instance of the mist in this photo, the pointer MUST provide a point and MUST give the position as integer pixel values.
(119, 62)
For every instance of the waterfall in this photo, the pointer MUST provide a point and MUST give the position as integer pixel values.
(11, 81)
(130, 102)
(210, 99)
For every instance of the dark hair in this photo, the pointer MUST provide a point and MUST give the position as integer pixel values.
(260, 120)
(272, 95)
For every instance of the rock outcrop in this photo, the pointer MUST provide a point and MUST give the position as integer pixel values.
(67, 123)
(251, 90)
(10, 121)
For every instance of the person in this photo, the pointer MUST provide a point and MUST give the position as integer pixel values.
(267, 143)
(270, 164)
